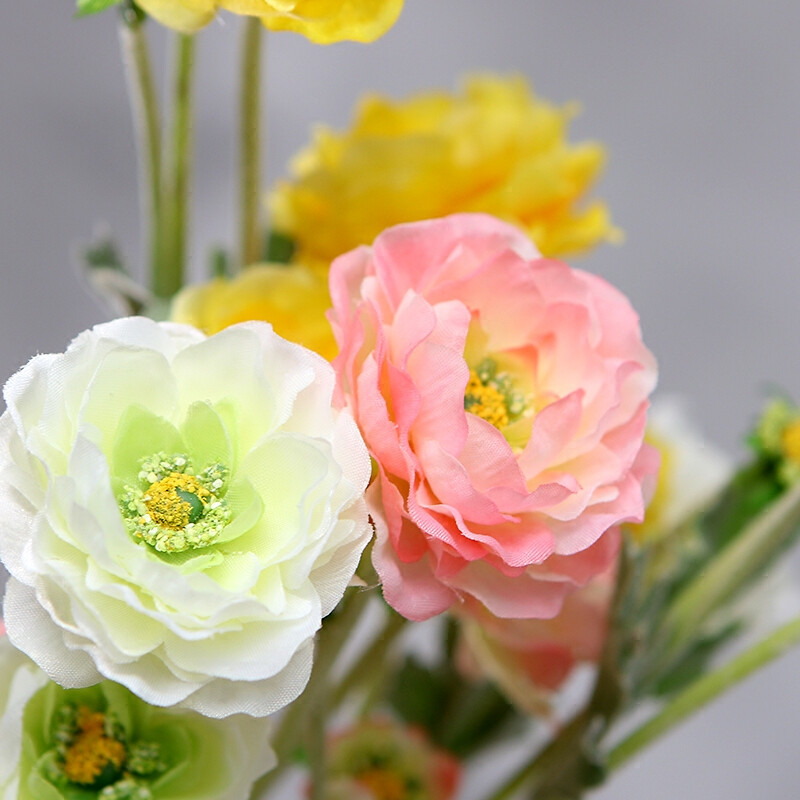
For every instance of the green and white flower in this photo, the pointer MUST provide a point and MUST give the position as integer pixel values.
(104, 743)
(180, 512)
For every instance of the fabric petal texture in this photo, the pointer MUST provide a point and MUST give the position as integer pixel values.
(503, 396)
(181, 512)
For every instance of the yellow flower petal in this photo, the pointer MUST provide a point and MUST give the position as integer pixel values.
(495, 147)
(323, 21)
(186, 16)
(294, 299)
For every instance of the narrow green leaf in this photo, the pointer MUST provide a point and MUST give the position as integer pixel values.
(88, 7)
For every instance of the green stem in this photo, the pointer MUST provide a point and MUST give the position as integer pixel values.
(170, 278)
(752, 551)
(706, 689)
(303, 717)
(559, 753)
(250, 232)
(144, 108)
(376, 653)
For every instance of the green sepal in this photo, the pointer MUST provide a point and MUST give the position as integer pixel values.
(88, 7)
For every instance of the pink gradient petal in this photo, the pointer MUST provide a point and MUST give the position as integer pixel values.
(467, 517)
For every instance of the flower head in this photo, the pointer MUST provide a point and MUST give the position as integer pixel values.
(321, 21)
(495, 148)
(182, 510)
(293, 299)
(104, 743)
(503, 397)
(777, 436)
(529, 659)
(383, 760)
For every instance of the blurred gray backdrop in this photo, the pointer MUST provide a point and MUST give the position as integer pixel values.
(699, 104)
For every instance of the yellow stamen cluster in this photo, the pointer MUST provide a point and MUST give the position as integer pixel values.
(790, 441)
(91, 750)
(486, 401)
(166, 507)
(383, 785)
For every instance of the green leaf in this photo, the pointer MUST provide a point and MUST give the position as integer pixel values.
(88, 7)
(458, 715)
(103, 253)
(280, 248)
(696, 661)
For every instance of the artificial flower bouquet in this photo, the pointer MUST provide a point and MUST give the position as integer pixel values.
(226, 513)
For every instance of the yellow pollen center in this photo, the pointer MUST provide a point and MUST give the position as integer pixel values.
(485, 401)
(790, 441)
(91, 750)
(383, 785)
(166, 506)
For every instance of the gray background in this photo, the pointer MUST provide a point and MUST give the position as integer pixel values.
(699, 104)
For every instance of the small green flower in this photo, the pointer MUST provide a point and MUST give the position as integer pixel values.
(104, 743)
(777, 435)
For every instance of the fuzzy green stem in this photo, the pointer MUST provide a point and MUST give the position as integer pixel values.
(752, 551)
(559, 752)
(394, 624)
(305, 716)
(250, 228)
(706, 689)
(144, 108)
(170, 277)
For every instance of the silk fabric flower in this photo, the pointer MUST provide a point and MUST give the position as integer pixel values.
(503, 397)
(105, 743)
(530, 659)
(180, 512)
(292, 299)
(321, 21)
(493, 147)
(385, 760)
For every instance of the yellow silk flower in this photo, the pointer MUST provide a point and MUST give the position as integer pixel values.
(495, 147)
(321, 21)
(293, 299)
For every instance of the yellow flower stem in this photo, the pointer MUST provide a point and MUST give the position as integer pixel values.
(169, 278)
(705, 689)
(250, 228)
(144, 108)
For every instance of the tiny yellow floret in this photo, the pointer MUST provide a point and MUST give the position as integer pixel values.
(166, 506)
(92, 751)
(485, 401)
(790, 441)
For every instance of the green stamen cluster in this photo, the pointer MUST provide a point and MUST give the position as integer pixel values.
(172, 508)
(90, 751)
(492, 396)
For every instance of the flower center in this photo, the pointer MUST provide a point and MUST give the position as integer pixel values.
(173, 509)
(383, 785)
(175, 501)
(91, 751)
(93, 758)
(491, 395)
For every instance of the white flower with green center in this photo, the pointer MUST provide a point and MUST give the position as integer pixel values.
(104, 743)
(180, 512)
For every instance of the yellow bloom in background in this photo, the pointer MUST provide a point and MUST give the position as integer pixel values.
(495, 147)
(293, 299)
(321, 21)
